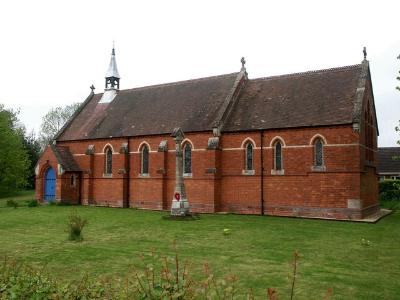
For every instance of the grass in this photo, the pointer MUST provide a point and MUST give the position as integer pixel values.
(258, 250)
(21, 197)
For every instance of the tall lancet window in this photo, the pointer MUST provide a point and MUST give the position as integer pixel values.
(249, 157)
(318, 152)
(278, 155)
(187, 158)
(108, 161)
(145, 160)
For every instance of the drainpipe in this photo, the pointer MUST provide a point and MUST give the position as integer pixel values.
(262, 172)
(128, 175)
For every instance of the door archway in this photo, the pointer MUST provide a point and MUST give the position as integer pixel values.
(50, 185)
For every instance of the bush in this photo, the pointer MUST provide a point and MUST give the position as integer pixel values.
(32, 203)
(62, 203)
(389, 190)
(158, 278)
(12, 203)
(75, 226)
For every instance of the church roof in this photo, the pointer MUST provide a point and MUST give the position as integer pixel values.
(316, 98)
(65, 158)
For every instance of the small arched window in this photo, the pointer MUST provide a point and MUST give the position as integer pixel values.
(187, 158)
(278, 156)
(249, 157)
(145, 159)
(108, 161)
(318, 152)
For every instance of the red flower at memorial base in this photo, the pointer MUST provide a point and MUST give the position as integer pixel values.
(177, 196)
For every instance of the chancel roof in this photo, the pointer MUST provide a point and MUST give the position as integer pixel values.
(316, 98)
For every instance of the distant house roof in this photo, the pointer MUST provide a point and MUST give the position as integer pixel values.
(389, 160)
(316, 98)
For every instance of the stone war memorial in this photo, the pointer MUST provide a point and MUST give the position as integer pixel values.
(302, 145)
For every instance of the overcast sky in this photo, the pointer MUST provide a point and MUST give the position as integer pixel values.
(52, 51)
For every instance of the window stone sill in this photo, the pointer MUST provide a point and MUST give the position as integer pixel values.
(277, 172)
(248, 172)
(318, 168)
(187, 175)
(144, 175)
(107, 175)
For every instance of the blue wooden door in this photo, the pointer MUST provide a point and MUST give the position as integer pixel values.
(50, 185)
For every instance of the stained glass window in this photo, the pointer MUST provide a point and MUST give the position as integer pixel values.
(318, 151)
(187, 159)
(108, 161)
(249, 156)
(145, 160)
(278, 156)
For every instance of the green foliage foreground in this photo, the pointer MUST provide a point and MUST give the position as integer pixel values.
(355, 260)
(13, 157)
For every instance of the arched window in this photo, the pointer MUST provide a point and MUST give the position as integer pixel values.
(108, 161)
(278, 156)
(145, 159)
(318, 152)
(187, 158)
(249, 156)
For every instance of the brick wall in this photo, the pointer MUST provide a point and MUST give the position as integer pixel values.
(298, 190)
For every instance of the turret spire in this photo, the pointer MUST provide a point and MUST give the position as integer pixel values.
(112, 75)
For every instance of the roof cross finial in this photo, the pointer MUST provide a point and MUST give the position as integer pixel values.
(243, 61)
(92, 88)
(365, 53)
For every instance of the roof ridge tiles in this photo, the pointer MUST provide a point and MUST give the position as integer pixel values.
(176, 82)
(311, 72)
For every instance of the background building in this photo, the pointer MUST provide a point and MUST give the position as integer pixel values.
(389, 163)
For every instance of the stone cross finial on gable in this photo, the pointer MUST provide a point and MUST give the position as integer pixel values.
(92, 88)
(365, 53)
(243, 61)
(178, 134)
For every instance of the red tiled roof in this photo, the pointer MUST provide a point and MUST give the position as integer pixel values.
(316, 98)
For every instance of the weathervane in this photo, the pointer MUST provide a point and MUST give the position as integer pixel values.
(365, 53)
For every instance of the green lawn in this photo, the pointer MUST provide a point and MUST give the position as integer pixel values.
(258, 250)
(21, 197)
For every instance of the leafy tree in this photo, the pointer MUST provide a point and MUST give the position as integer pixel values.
(32, 148)
(398, 87)
(14, 161)
(53, 121)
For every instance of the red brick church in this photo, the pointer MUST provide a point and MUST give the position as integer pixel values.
(301, 144)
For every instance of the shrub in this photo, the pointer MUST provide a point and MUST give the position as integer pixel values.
(389, 190)
(32, 203)
(12, 203)
(75, 226)
(62, 203)
(158, 278)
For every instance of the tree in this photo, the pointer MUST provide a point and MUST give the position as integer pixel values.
(32, 148)
(398, 87)
(14, 161)
(53, 121)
